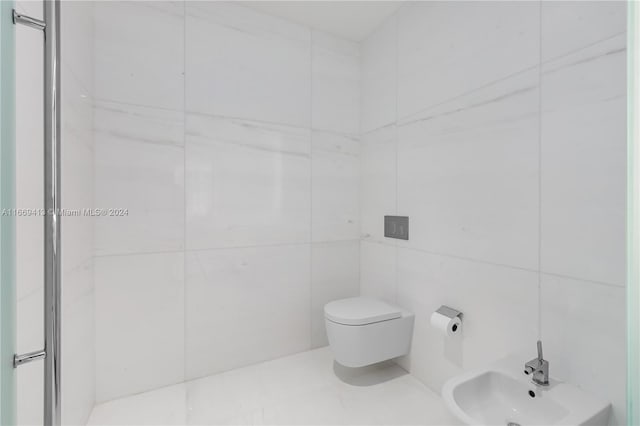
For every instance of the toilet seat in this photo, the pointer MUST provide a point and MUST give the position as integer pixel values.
(360, 311)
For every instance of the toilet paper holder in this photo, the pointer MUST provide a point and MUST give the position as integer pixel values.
(449, 312)
(447, 320)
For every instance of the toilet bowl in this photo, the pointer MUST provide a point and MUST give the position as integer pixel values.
(364, 331)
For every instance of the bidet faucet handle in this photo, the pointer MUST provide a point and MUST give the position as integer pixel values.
(540, 357)
(538, 368)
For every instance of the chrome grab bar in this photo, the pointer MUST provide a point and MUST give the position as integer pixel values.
(18, 360)
(52, 178)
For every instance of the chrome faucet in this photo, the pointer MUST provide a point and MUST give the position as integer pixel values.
(538, 368)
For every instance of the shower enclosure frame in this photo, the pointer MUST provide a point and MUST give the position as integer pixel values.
(51, 353)
(633, 214)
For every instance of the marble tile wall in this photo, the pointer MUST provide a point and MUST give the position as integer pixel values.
(499, 129)
(78, 332)
(78, 181)
(233, 139)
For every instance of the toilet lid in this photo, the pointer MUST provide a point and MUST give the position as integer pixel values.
(360, 311)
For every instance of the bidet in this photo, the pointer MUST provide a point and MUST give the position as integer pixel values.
(500, 394)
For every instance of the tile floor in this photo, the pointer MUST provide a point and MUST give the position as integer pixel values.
(303, 389)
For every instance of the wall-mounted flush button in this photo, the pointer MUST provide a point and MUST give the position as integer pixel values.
(396, 227)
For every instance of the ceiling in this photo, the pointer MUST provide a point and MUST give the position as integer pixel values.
(353, 20)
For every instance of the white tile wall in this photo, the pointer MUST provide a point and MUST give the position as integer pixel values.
(584, 128)
(446, 49)
(132, 123)
(233, 147)
(78, 172)
(335, 98)
(335, 187)
(139, 167)
(378, 269)
(135, 66)
(78, 21)
(584, 331)
(379, 77)
(79, 349)
(248, 183)
(139, 323)
(568, 26)
(245, 305)
(378, 181)
(468, 175)
(244, 64)
(509, 160)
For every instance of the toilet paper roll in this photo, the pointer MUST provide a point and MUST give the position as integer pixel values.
(445, 325)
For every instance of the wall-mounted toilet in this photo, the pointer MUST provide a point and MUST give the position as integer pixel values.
(364, 331)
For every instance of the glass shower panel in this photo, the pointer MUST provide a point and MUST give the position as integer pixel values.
(633, 222)
(7, 226)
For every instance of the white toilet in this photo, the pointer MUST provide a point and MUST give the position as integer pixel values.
(363, 331)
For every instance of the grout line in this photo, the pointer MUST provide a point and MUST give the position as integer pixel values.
(261, 123)
(311, 156)
(569, 277)
(139, 253)
(94, 313)
(453, 256)
(360, 240)
(359, 165)
(142, 392)
(99, 100)
(396, 145)
(540, 171)
(198, 250)
(361, 152)
(184, 208)
(500, 265)
(186, 111)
